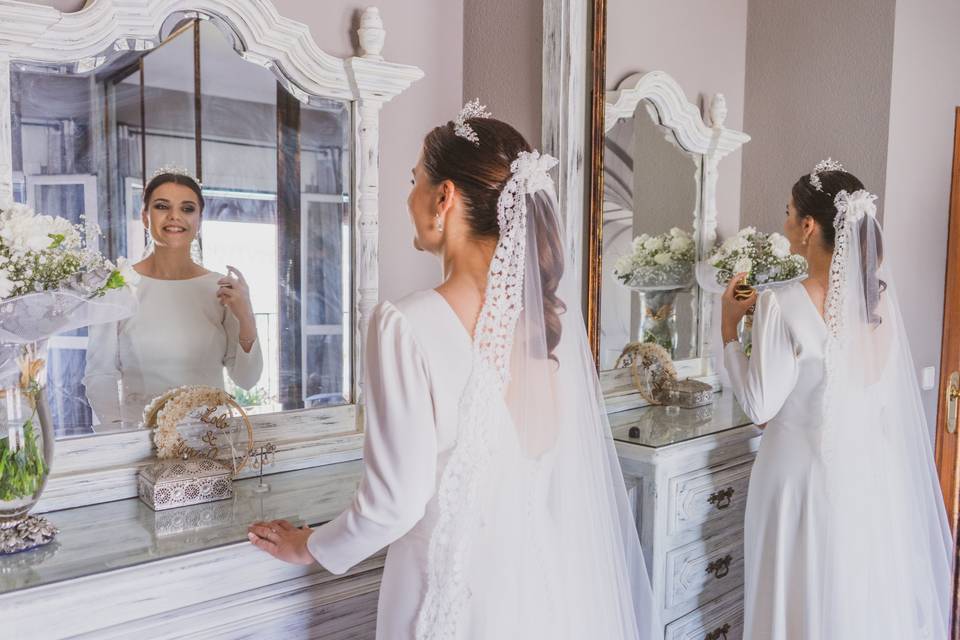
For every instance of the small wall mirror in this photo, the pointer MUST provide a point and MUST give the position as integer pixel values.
(651, 193)
(652, 217)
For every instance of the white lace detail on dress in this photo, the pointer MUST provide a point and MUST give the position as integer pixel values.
(482, 404)
(851, 208)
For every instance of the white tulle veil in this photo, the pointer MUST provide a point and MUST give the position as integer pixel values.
(887, 556)
(535, 538)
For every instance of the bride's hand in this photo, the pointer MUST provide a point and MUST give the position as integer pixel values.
(234, 294)
(733, 309)
(282, 540)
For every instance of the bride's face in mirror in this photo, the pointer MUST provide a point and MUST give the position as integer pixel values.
(173, 216)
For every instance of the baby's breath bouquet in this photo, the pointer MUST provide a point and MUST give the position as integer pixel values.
(51, 281)
(663, 261)
(765, 258)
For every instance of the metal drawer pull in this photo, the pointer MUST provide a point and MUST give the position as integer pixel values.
(722, 499)
(718, 633)
(720, 568)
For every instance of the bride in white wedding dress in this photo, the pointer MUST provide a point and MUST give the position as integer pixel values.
(846, 535)
(489, 466)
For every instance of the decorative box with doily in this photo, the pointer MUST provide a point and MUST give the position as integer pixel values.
(198, 464)
(180, 482)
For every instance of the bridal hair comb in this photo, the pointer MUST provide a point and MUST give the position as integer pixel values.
(176, 170)
(472, 109)
(824, 165)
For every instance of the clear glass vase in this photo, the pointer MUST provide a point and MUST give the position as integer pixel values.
(658, 322)
(26, 445)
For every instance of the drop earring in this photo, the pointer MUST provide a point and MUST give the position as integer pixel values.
(439, 223)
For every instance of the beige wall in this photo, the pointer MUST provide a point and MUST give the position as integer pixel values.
(502, 60)
(818, 85)
(424, 33)
(702, 44)
(924, 93)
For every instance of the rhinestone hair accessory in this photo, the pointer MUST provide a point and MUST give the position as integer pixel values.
(176, 170)
(824, 165)
(472, 109)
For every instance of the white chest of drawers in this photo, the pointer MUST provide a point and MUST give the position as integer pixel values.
(687, 475)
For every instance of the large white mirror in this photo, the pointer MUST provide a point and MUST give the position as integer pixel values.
(269, 127)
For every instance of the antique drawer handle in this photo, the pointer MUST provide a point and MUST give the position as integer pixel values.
(720, 568)
(718, 633)
(722, 499)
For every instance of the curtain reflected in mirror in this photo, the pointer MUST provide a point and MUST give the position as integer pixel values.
(650, 201)
(275, 173)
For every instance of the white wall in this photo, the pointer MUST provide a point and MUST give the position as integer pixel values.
(925, 92)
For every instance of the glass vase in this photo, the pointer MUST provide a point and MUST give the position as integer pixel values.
(658, 320)
(26, 446)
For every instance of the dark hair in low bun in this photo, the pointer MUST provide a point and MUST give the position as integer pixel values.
(819, 205)
(480, 171)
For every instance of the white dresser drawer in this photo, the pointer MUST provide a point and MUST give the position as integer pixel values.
(699, 498)
(704, 569)
(721, 619)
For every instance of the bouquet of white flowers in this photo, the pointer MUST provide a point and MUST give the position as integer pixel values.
(765, 258)
(658, 262)
(46, 253)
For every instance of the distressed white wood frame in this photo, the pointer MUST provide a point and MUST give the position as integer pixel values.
(711, 143)
(90, 470)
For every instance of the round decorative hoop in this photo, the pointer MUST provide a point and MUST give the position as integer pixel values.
(647, 355)
(165, 413)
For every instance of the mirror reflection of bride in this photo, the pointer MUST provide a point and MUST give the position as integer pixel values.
(191, 324)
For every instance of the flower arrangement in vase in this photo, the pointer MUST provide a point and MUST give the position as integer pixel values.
(50, 282)
(658, 268)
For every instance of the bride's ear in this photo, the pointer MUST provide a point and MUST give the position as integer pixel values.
(446, 193)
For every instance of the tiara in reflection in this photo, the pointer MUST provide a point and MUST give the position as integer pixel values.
(472, 109)
(824, 165)
(176, 170)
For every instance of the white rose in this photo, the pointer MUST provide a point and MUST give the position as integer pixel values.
(130, 276)
(653, 244)
(663, 259)
(680, 244)
(677, 232)
(779, 245)
(743, 265)
(746, 232)
(6, 285)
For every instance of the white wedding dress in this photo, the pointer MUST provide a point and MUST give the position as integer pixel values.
(781, 385)
(417, 362)
(489, 465)
(845, 530)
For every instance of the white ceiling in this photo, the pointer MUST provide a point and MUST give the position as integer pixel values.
(67, 6)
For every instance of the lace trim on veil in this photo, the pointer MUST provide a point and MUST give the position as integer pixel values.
(481, 404)
(851, 208)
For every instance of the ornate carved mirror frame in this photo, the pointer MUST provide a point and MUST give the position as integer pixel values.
(96, 469)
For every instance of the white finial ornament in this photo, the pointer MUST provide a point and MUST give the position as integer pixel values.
(824, 165)
(176, 170)
(472, 109)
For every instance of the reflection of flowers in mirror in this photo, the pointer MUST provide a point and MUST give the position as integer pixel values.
(663, 260)
(45, 253)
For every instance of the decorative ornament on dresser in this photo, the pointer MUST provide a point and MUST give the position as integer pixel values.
(52, 280)
(656, 379)
(200, 467)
